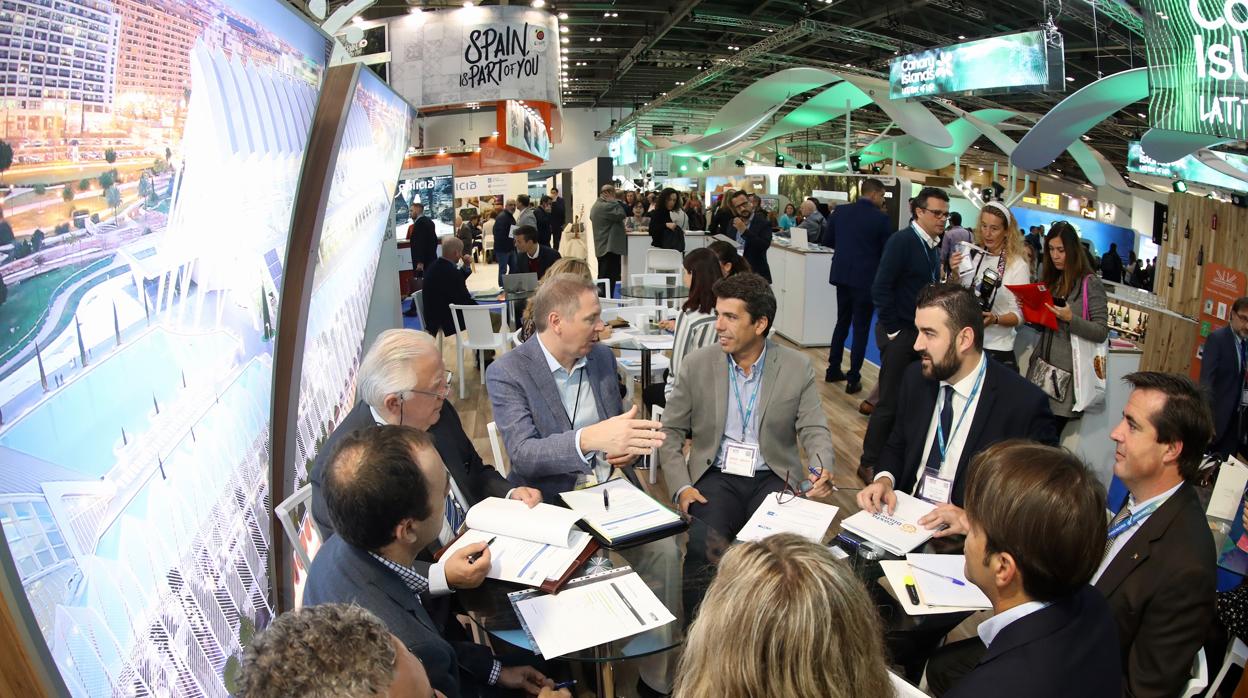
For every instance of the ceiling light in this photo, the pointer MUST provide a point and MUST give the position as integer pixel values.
(357, 20)
(441, 151)
(495, 134)
(563, 28)
(467, 3)
(1140, 115)
(565, 39)
(563, 15)
(961, 37)
(539, 4)
(416, 11)
(1070, 78)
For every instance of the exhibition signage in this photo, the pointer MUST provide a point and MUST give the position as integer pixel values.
(1188, 169)
(524, 128)
(487, 185)
(623, 148)
(1222, 285)
(476, 54)
(1014, 62)
(1197, 67)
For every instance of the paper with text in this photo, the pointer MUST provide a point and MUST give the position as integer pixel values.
(805, 517)
(593, 614)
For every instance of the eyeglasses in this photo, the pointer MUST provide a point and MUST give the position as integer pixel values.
(934, 212)
(442, 394)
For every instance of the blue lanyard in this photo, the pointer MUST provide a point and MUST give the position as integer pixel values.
(1126, 524)
(745, 413)
(940, 430)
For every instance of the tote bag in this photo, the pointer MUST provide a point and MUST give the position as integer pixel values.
(1088, 361)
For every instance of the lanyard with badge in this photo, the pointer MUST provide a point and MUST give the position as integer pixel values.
(739, 458)
(935, 488)
(1125, 525)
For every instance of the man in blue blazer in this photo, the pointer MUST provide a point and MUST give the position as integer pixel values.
(556, 398)
(910, 261)
(1223, 367)
(1035, 530)
(753, 227)
(857, 232)
(385, 490)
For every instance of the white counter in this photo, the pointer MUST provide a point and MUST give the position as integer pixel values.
(806, 302)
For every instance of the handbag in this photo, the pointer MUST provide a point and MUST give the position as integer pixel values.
(1054, 381)
(1088, 361)
(572, 244)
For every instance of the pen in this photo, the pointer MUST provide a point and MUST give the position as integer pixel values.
(955, 580)
(912, 590)
(565, 684)
(477, 556)
(606, 501)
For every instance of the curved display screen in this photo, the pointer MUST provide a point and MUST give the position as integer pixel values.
(144, 240)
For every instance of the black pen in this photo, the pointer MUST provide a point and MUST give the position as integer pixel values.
(606, 501)
(477, 556)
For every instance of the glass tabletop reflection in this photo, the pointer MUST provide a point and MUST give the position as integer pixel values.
(655, 291)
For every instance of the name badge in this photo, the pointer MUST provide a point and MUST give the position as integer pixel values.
(740, 458)
(936, 489)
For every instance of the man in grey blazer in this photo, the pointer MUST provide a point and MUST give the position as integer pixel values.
(745, 404)
(556, 397)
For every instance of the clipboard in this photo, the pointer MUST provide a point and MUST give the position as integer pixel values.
(550, 586)
(1032, 299)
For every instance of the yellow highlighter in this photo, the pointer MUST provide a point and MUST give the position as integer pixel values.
(912, 590)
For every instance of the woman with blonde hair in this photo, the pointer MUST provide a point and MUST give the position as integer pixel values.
(998, 233)
(783, 618)
(564, 265)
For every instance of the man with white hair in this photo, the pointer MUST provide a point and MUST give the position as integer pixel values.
(402, 380)
(812, 221)
(445, 283)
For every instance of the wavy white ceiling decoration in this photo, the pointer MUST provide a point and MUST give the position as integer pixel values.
(764, 94)
(1169, 146)
(820, 109)
(1096, 168)
(962, 131)
(1074, 116)
(1216, 162)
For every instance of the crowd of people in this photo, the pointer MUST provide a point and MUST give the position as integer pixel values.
(1090, 596)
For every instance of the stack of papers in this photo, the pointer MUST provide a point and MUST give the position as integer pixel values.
(531, 546)
(656, 341)
(934, 576)
(899, 533)
(591, 611)
(631, 514)
(807, 518)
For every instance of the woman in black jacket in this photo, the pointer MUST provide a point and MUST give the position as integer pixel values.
(665, 233)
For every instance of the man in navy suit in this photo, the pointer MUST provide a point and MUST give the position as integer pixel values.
(531, 256)
(857, 232)
(1035, 525)
(385, 490)
(752, 226)
(423, 237)
(504, 245)
(1224, 376)
(910, 261)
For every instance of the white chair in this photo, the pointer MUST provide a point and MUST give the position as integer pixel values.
(612, 303)
(658, 260)
(418, 301)
(1236, 654)
(514, 339)
(1200, 676)
(487, 244)
(902, 689)
(656, 414)
(295, 513)
(474, 331)
(655, 279)
(496, 445)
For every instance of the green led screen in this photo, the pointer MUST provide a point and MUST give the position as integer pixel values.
(1188, 169)
(1007, 63)
(1197, 70)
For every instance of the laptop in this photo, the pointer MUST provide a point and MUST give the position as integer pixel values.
(520, 283)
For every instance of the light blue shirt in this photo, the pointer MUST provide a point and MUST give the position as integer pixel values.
(743, 388)
(988, 629)
(577, 396)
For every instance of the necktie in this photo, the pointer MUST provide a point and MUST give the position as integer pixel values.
(1243, 357)
(454, 513)
(946, 425)
(1121, 516)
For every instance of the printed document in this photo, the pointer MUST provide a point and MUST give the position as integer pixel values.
(629, 512)
(899, 533)
(543, 523)
(805, 517)
(522, 561)
(580, 617)
(932, 575)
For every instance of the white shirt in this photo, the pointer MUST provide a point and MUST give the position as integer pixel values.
(1125, 536)
(997, 337)
(989, 629)
(957, 438)
(927, 239)
(572, 386)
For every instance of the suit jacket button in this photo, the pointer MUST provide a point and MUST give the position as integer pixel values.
(708, 461)
(1135, 556)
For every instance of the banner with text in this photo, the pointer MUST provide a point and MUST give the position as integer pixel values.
(1030, 60)
(1188, 169)
(1197, 70)
(476, 54)
(1222, 285)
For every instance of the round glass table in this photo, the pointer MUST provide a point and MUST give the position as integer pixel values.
(509, 298)
(655, 291)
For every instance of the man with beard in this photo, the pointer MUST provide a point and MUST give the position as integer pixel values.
(954, 402)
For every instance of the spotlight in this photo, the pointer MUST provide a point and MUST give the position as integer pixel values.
(739, 163)
(1179, 186)
(539, 4)
(779, 161)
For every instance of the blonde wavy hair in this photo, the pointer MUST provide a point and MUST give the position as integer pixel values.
(783, 618)
(1013, 238)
